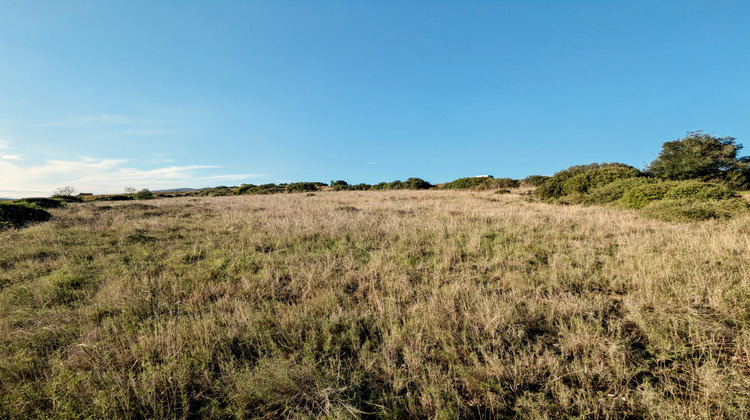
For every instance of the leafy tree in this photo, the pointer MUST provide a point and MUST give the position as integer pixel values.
(704, 157)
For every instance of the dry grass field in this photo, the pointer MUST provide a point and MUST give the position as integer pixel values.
(398, 304)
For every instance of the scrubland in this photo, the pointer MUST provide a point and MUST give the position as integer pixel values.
(434, 304)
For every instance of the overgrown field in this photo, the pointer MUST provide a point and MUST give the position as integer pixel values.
(373, 304)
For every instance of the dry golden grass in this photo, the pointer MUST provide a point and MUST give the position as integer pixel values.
(373, 304)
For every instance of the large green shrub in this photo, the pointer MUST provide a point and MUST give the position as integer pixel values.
(613, 191)
(535, 180)
(690, 210)
(464, 183)
(482, 183)
(18, 214)
(639, 196)
(409, 184)
(301, 187)
(699, 191)
(260, 189)
(144, 194)
(580, 179)
(417, 184)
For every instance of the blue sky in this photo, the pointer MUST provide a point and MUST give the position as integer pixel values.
(103, 95)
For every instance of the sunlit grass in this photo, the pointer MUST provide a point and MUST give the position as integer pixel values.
(356, 304)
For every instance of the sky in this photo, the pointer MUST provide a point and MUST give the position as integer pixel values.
(105, 95)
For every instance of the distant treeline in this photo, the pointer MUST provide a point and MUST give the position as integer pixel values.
(694, 178)
(470, 183)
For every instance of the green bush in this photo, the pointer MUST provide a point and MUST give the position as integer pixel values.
(301, 187)
(339, 185)
(380, 186)
(613, 191)
(261, 189)
(409, 184)
(120, 197)
(17, 215)
(535, 180)
(45, 203)
(580, 179)
(360, 187)
(417, 184)
(465, 183)
(67, 198)
(699, 191)
(639, 196)
(476, 183)
(144, 194)
(690, 210)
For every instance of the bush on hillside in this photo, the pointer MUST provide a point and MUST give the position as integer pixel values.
(639, 196)
(144, 194)
(689, 210)
(535, 180)
(301, 187)
(261, 189)
(16, 215)
(482, 183)
(613, 191)
(68, 198)
(580, 179)
(699, 191)
(339, 185)
(417, 184)
(120, 197)
(42, 202)
(409, 184)
(464, 183)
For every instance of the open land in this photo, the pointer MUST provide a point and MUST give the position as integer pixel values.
(373, 304)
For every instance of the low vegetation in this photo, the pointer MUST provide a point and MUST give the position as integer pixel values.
(482, 183)
(360, 304)
(19, 214)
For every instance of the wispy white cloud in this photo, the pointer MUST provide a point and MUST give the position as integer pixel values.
(370, 163)
(5, 144)
(101, 176)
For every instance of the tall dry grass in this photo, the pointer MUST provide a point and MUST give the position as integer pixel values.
(373, 304)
